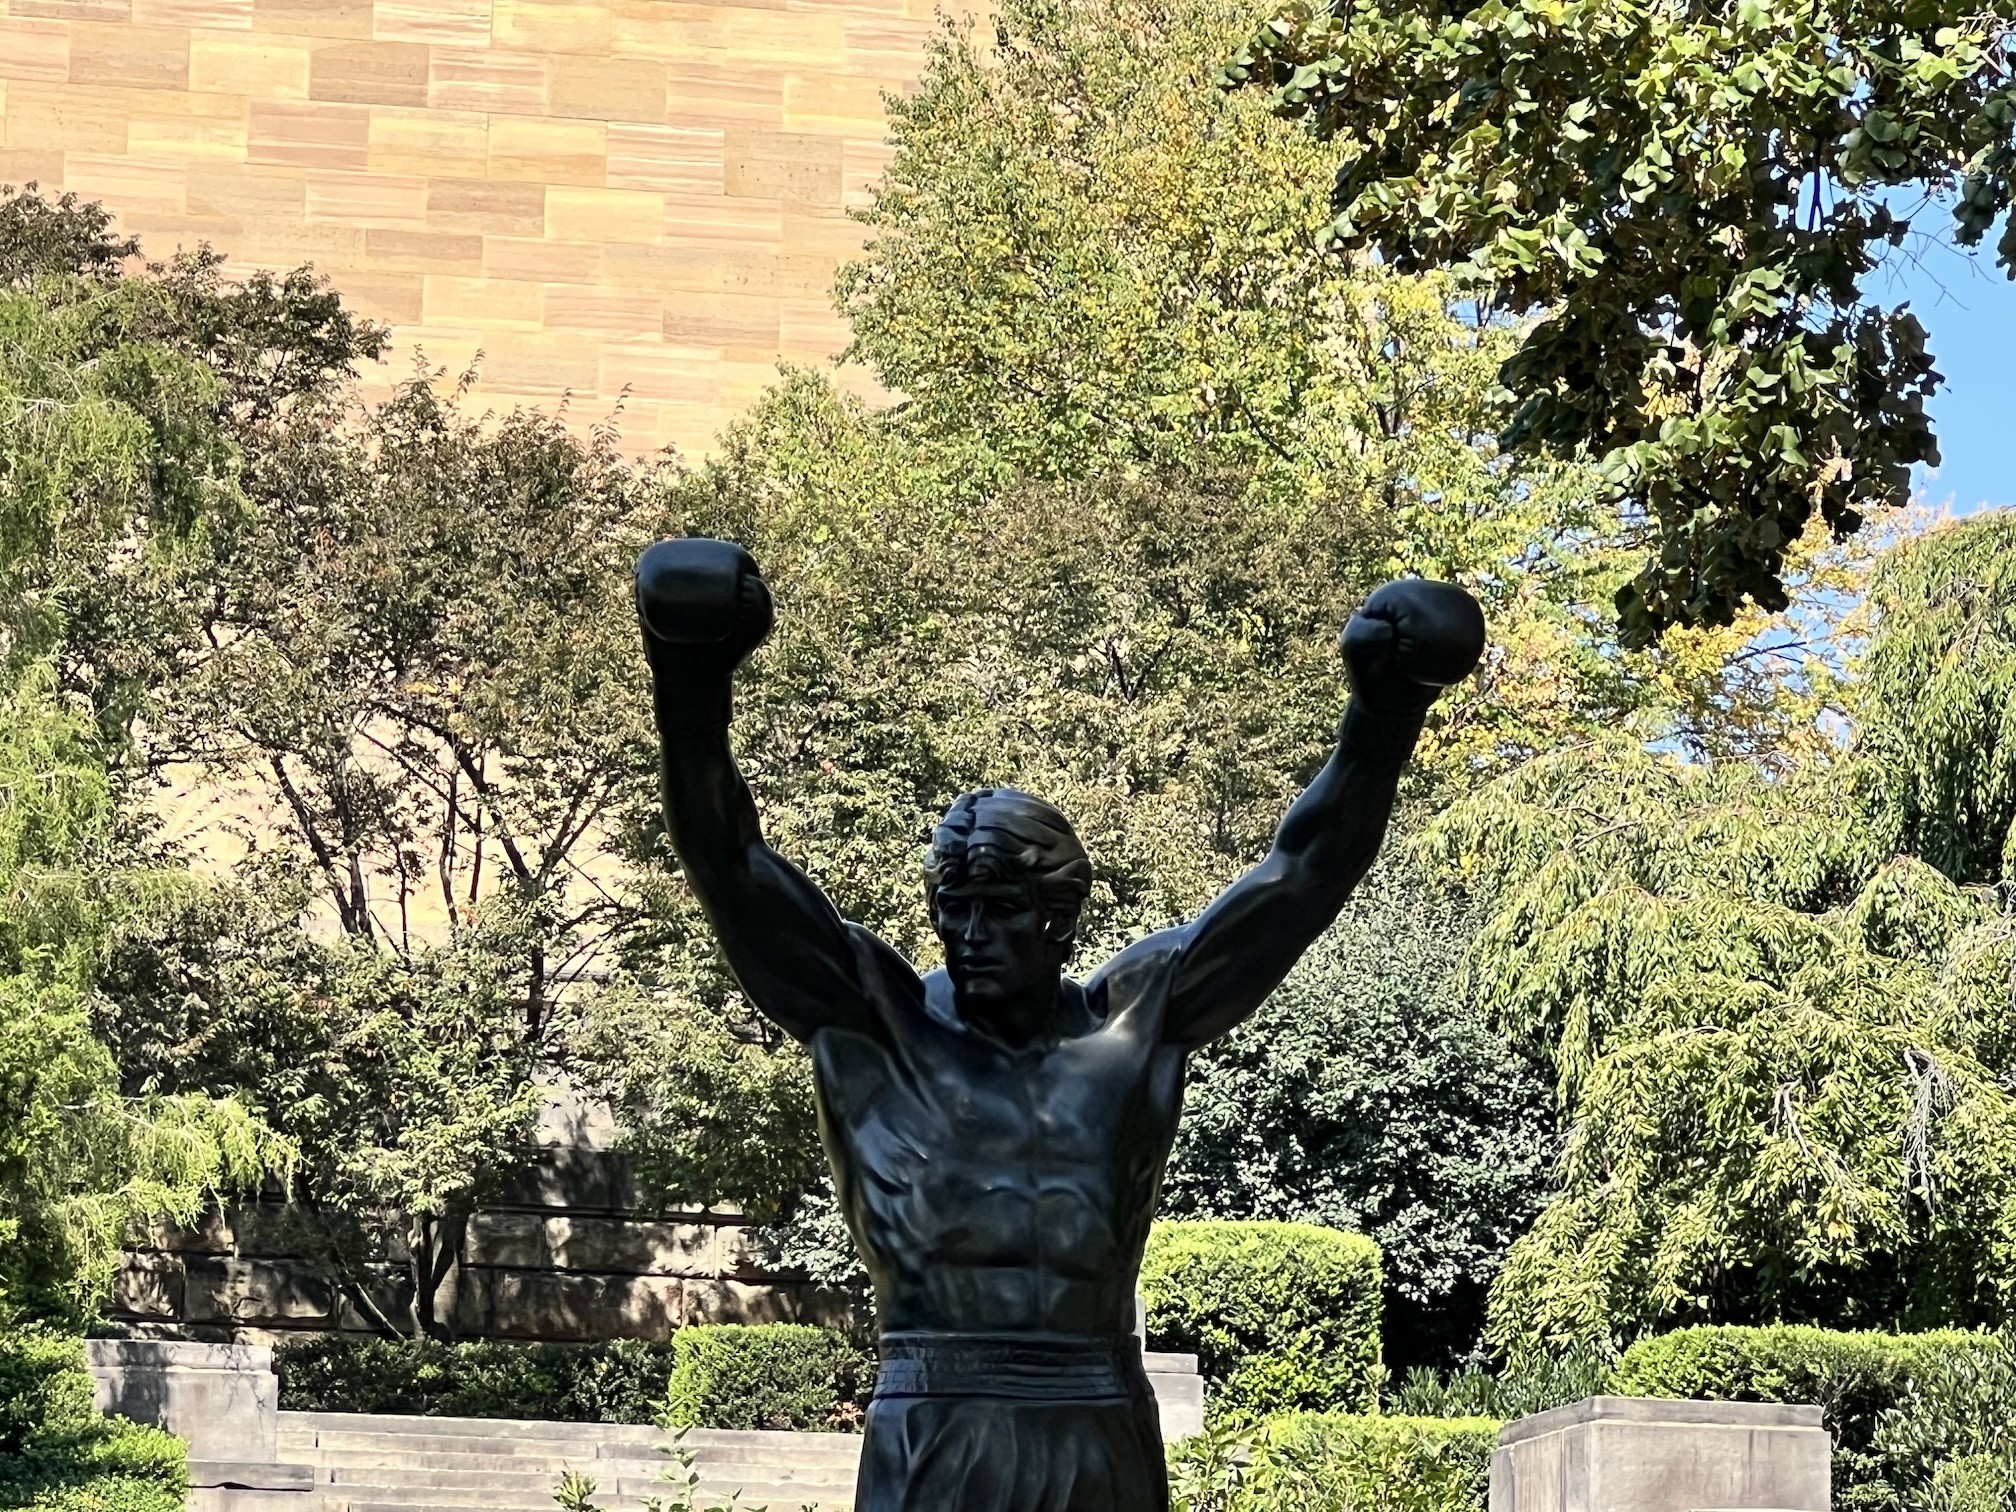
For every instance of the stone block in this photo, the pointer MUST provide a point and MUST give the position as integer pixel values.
(596, 1181)
(723, 1301)
(1178, 1402)
(226, 1290)
(223, 1398)
(555, 1305)
(149, 1285)
(1633, 1454)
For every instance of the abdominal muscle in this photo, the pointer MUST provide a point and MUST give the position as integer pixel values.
(992, 1193)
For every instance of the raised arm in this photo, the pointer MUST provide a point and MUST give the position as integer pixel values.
(703, 607)
(1411, 639)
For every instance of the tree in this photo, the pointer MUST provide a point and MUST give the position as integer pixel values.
(415, 673)
(139, 393)
(1781, 1038)
(1084, 258)
(1369, 1095)
(79, 1162)
(1690, 198)
(107, 453)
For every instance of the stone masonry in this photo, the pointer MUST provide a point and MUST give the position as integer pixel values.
(566, 1253)
(641, 198)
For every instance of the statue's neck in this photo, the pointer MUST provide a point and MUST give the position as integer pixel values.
(1029, 1019)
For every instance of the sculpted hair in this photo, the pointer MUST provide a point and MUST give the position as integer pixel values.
(1018, 834)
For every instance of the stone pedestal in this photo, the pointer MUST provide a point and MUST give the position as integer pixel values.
(222, 1398)
(1179, 1394)
(1636, 1454)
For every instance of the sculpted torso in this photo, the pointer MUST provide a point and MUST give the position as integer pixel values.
(996, 1190)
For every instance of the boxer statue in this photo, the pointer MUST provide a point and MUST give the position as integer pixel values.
(998, 1130)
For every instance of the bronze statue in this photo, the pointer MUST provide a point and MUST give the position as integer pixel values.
(998, 1130)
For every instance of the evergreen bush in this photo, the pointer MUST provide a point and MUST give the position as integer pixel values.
(58, 1453)
(766, 1375)
(620, 1381)
(1281, 1316)
(1338, 1462)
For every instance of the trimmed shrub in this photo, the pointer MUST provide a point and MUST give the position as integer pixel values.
(622, 1381)
(58, 1453)
(1523, 1387)
(1338, 1462)
(1281, 1316)
(764, 1375)
(1856, 1379)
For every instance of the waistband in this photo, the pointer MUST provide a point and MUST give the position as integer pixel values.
(1034, 1368)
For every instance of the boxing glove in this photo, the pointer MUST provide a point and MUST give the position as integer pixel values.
(1409, 641)
(703, 607)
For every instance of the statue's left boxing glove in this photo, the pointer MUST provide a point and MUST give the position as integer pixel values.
(704, 607)
(1409, 641)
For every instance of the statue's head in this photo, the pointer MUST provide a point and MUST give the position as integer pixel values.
(1005, 878)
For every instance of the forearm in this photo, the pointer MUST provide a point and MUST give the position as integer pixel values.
(1335, 828)
(710, 814)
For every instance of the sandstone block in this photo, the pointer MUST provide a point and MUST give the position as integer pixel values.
(254, 1291)
(222, 1398)
(1631, 1454)
(149, 1285)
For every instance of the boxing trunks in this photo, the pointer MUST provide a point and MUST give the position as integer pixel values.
(1011, 1423)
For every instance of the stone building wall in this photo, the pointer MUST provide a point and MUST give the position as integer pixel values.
(606, 197)
(563, 1255)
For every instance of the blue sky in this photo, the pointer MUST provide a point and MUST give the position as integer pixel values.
(1969, 308)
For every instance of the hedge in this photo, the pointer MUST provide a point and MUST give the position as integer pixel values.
(58, 1453)
(1881, 1394)
(622, 1381)
(767, 1375)
(1338, 1462)
(1281, 1316)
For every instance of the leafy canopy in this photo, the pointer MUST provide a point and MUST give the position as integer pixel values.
(1369, 1095)
(1781, 1038)
(1691, 197)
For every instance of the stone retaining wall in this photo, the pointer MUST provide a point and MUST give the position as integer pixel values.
(564, 1256)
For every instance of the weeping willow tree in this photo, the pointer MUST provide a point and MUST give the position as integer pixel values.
(106, 469)
(80, 1164)
(1777, 1003)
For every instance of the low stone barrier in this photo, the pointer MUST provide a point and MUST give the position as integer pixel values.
(245, 1455)
(1636, 1454)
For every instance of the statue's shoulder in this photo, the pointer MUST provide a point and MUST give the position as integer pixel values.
(1139, 976)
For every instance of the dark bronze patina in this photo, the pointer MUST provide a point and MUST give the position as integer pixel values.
(998, 1130)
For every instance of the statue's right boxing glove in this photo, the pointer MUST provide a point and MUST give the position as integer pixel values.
(703, 607)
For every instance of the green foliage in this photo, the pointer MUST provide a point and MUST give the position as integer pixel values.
(58, 1454)
(1899, 1406)
(1947, 1444)
(1936, 698)
(1337, 1462)
(79, 1163)
(1693, 198)
(1368, 1095)
(1526, 1385)
(1084, 260)
(620, 1381)
(1281, 1316)
(1780, 1045)
(764, 1375)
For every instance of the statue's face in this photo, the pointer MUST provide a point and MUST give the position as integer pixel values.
(999, 943)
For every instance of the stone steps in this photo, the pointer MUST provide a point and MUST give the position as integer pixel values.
(373, 1463)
